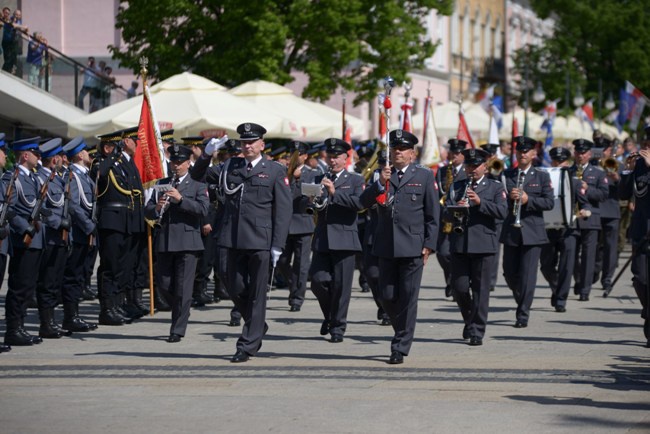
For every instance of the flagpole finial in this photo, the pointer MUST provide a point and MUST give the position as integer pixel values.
(143, 66)
(407, 89)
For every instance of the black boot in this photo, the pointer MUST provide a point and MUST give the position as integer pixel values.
(108, 315)
(136, 299)
(125, 308)
(71, 320)
(220, 292)
(46, 330)
(88, 294)
(160, 302)
(16, 336)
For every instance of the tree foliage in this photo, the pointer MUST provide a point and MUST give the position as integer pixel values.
(594, 40)
(348, 43)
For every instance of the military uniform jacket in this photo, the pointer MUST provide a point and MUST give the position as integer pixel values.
(480, 231)
(217, 198)
(336, 227)
(180, 229)
(609, 208)
(373, 217)
(441, 177)
(301, 222)
(537, 185)
(5, 247)
(137, 193)
(637, 184)
(258, 213)
(23, 200)
(410, 223)
(596, 192)
(82, 192)
(54, 201)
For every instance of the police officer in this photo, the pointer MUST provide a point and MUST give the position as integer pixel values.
(255, 227)
(294, 262)
(336, 240)
(478, 202)
(530, 193)
(635, 182)
(594, 185)
(447, 175)
(179, 213)
(27, 241)
(406, 234)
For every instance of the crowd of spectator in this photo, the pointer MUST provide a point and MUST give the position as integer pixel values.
(98, 83)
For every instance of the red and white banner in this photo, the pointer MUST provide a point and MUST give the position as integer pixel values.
(149, 153)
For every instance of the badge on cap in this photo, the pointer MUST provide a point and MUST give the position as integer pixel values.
(247, 127)
(176, 148)
(332, 141)
(398, 133)
(472, 154)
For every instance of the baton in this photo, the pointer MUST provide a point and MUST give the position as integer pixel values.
(618, 276)
(268, 291)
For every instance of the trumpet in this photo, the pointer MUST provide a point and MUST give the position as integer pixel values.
(174, 184)
(460, 217)
(495, 166)
(610, 165)
(516, 208)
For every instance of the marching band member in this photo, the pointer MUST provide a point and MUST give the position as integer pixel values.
(406, 234)
(523, 234)
(595, 186)
(494, 169)
(474, 241)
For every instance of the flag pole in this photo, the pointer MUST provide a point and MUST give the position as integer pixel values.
(143, 72)
(343, 93)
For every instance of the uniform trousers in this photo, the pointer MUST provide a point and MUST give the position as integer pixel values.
(74, 273)
(136, 275)
(3, 267)
(50, 277)
(586, 262)
(331, 282)
(520, 271)
(297, 248)
(176, 271)
(89, 263)
(607, 252)
(248, 276)
(557, 263)
(495, 259)
(371, 266)
(640, 282)
(22, 284)
(472, 272)
(221, 270)
(399, 288)
(206, 262)
(113, 248)
(443, 254)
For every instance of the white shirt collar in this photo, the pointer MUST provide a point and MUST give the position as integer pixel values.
(82, 169)
(255, 161)
(126, 156)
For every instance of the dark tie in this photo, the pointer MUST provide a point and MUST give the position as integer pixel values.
(249, 167)
(400, 174)
(455, 171)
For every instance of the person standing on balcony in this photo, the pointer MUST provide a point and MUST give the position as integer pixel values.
(91, 82)
(35, 51)
(10, 26)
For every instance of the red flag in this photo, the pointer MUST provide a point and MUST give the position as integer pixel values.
(515, 133)
(406, 117)
(382, 125)
(463, 131)
(148, 153)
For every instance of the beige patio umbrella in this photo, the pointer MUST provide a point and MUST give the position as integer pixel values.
(535, 121)
(310, 120)
(446, 119)
(188, 103)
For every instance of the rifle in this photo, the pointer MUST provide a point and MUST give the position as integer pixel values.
(93, 209)
(4, 214)
(65, 220)
(37, 211)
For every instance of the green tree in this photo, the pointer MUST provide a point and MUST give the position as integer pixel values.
(348, 43)
(593, 40)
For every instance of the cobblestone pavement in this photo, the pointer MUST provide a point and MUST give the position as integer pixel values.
(585, 370)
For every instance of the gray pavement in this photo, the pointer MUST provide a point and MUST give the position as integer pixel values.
(585, 370)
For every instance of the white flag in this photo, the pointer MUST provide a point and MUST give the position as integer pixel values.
(430, 155)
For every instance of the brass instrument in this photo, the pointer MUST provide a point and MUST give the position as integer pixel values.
(460, 215)
(495, 167)
(318, 203)
(449, 179)
(516, 208)
(373, 163)
(579, 172)
(174, 184)
(610, 165)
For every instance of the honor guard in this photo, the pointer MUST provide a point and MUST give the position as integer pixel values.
(80, 191)
(255, 227)
(179, 212)
(475, 205)
(635, 183)
(27, 240)
(446, 176)
(406, 233)
(294, 262)
(336, 239)
(530, 193)
(594, 185)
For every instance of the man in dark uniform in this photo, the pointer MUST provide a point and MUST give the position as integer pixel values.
(180, 212)
(82, 234)
(558, 257)
(301, 230)
(494, 169)
(594, 185)
(27, 241)
(610, 217)
(475, 204)
(255, 227)
(447, 175)
(336, 240)
(523, 233)
(635, 182)
(407, 230)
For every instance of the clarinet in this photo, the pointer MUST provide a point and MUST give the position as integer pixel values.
(174, 184)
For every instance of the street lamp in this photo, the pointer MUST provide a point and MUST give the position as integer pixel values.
(578, 99)
(539, 95)
(610, 103)
(474, 85)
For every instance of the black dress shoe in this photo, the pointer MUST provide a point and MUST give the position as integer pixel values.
(475, 341)
(336, 339)
(396, 358)
(234, 323)
(521, 325)
(18, 338)
(240, 357)
(294, 308)
(647, 344)
(324, 328)
(583, 297)
(4, 348)
(608, 290)
(385, 321)
(491, 288)
(365, 288)
(174, 338)
(466, 333)
(560, 309)
(447, 291)
(553, 300)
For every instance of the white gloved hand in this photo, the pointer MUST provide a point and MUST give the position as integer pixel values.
(275, 255)
(215, 144)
